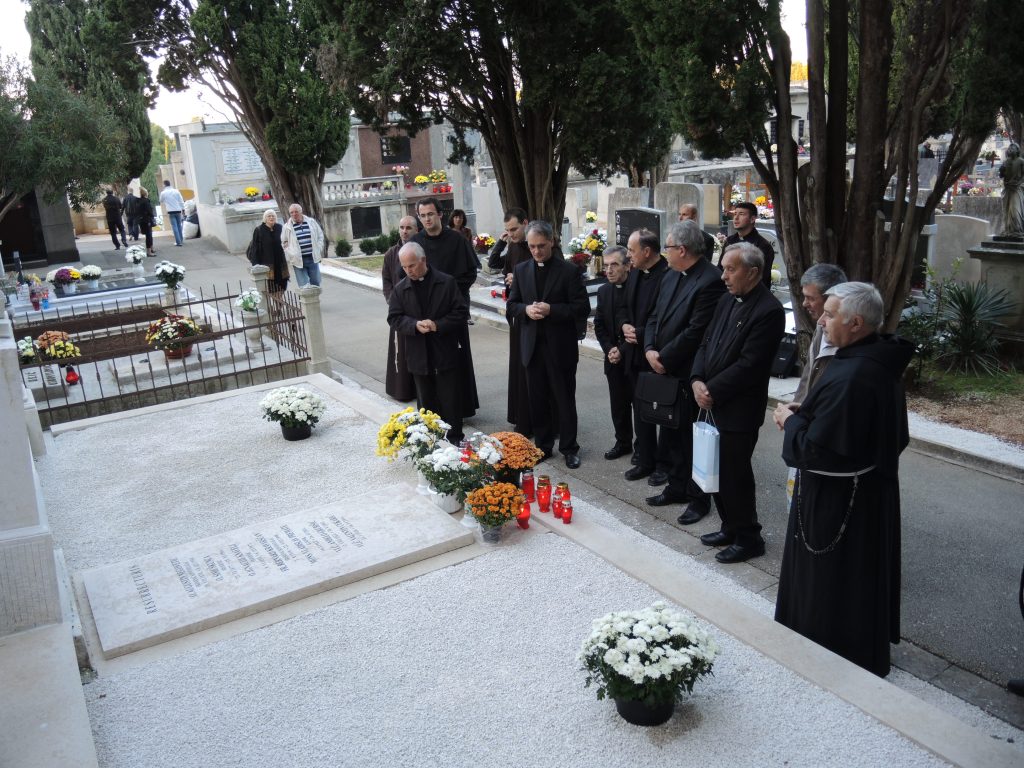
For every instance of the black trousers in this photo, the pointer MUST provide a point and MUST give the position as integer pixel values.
(653, 445)
(441, 392)
(620, 397)
(737, 501)
(133, 227)
(547, 383)
(116, 226)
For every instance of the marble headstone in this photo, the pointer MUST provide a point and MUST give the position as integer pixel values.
(183, 589)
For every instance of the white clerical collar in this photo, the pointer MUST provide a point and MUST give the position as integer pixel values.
(539, 263)
(739, 299)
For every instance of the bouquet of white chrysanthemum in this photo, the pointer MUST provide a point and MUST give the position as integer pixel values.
(450, 471)
(135, 254)
(169, 274)
(293, 407)
(90, 272)
(654, 655)
(249, 300)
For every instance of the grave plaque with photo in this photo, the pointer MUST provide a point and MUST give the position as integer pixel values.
(628, 220)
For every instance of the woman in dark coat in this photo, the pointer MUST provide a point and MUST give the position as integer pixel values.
(144, 215)
(266, 249)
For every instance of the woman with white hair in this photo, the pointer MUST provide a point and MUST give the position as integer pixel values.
(266, 249)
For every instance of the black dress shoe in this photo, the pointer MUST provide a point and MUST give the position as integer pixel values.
(693, 514)
(657, 478)
(665, 498)
(617, 451)
(717, 539)
(572, 460)
(637, 472)
(737, 553)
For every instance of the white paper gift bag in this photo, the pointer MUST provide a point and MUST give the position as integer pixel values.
(705, 456)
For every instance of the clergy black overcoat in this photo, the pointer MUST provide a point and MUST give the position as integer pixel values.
(565, 292)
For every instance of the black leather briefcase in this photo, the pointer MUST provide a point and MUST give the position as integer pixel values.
(660, 399)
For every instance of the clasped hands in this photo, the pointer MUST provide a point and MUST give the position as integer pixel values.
(702, 395)
(538, 310)
(426, 326)
(783, 411)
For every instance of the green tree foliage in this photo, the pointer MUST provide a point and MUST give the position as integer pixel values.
(157, 157)
(547, 85)
(54, 140)
(883, 75)
(259, 57)
(80, 44)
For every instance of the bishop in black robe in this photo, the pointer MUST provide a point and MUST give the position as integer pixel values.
(840, 579)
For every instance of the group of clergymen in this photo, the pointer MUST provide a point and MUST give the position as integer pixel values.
(713, 332)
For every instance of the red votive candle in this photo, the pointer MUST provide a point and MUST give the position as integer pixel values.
(544, 498)
(566, 511)
(526, 483)
(523, 518)
(556, 503)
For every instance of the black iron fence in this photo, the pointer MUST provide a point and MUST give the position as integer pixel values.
(116, 369)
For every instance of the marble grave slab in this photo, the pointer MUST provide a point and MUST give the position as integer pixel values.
(183, 589)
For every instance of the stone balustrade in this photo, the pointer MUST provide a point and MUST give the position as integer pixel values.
(365, 189)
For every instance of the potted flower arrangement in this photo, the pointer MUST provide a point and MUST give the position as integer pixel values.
(421, 181)
(483, 243)
(492, 506)
(135, 255)
(646, 660)
(590, 217)
(517, 453)
(26, 351)
(65, 278)
(451, 474)
(410, 434)
(588, 245)
(251, 193)
(91, 274)
(172, 334)
(249, 302)
(296, 410)
(170, 274)
(62, 350)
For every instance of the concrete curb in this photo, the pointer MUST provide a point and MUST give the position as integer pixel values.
(953, 453)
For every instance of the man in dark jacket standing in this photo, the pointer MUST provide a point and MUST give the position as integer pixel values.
(427, 308)
(647, 267)
(398, 382)
(548, 298)
(730, 379)
(449, 252)
(744, 217)
(840, 579)
(112, 206)
(130, 206)
(611, 298)
(686, 301)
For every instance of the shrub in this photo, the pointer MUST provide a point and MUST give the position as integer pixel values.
(368, 245)
(970, 317)
(342, 248)
(383, 243)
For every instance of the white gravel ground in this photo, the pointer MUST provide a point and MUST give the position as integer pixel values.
(469, 665)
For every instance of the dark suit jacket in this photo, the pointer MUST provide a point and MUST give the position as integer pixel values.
(684, 308)
(427, 353)
(451, 253)
(610, 300)
(565, 292)
(633, 354)
(736, 370)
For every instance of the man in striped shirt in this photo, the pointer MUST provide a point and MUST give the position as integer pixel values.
(304, 243)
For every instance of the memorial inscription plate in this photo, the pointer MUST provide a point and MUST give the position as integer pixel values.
(187, 588)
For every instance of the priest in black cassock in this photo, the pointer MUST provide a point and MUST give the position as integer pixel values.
(427, 308)
(449, 252)
(548, 298)
(398, 381)
(840, 579)
(729, 378)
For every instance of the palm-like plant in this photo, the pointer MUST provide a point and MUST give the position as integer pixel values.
(970, 317)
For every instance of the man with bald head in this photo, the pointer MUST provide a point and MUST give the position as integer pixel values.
(427, 309)
(688, 212)
(398, 381)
